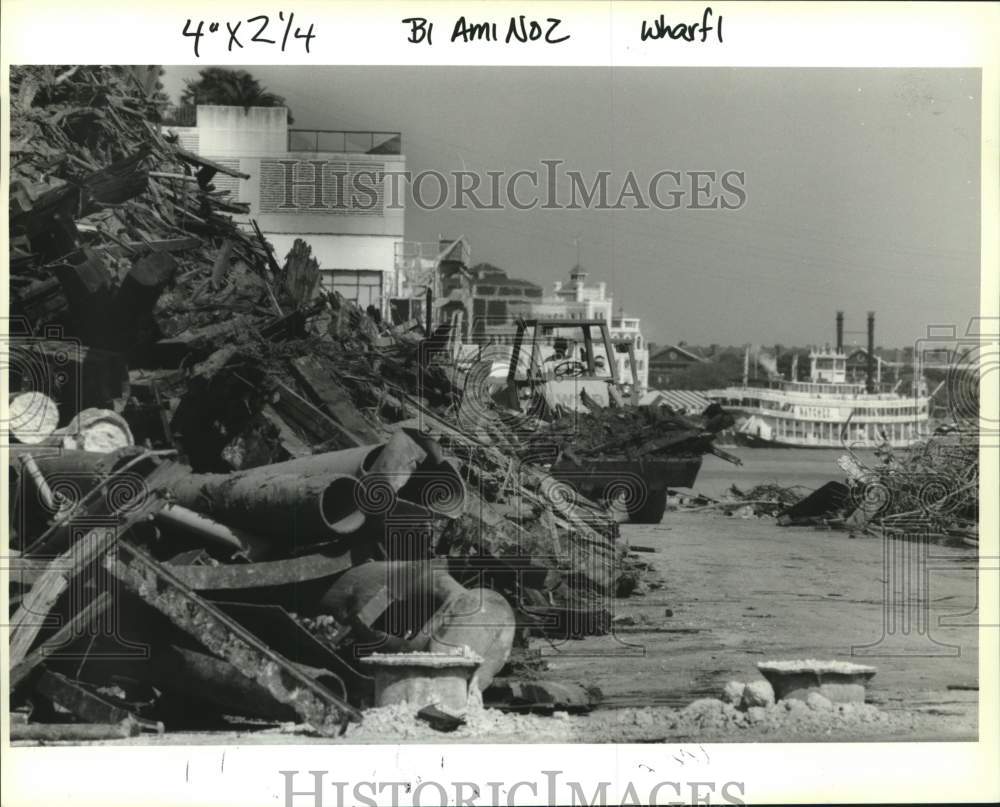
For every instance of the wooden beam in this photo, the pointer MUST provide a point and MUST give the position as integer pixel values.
(318, 379)
(83, 618)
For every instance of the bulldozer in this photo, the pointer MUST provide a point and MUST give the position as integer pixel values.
(587, 426)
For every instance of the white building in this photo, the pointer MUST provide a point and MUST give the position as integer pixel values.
(333, 189)
(626, 329)
(579, 300)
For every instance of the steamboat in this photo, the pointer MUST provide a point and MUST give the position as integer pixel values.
(829, 409)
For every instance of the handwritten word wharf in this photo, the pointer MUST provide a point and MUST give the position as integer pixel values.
(660, 28)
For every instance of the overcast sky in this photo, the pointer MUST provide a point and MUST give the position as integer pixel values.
(862, 185)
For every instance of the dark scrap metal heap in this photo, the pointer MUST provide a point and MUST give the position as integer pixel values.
(295, 491)
(639, 431)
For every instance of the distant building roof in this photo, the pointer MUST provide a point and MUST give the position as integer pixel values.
(684, 352)
(862, 353)
(680, 400)
(493, 276)
(453, 250)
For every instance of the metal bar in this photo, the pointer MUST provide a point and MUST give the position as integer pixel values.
(222, 635)
(243, 576)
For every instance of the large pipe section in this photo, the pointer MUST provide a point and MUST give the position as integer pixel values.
(306, 509)
(320, 497)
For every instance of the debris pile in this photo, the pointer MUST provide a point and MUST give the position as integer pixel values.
(639, 431)
(628, 458)
(226, 488)
(766, 500)
(931, 489)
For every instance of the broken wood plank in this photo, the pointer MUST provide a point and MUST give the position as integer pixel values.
(82, 703)
(85, 618)
(156, 584)
(41, 301)
(25, 571)
(204, 162)
(221, 265)
(269, 255)
(290, 441)
(31, 617)
(301, 273)
(76, 732)
(311, 422)
(167, 244)
(318, 379)
(132, 307)
(115, 183)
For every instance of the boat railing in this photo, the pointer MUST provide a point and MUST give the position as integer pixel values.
(811, 393)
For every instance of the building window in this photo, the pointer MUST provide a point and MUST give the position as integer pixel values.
(364, 287)
(496, 312)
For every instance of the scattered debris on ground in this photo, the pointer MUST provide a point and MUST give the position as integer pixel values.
(703, 719)
(930, 490)
(765, 500)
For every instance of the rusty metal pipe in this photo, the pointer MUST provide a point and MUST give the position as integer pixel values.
(349, 461)
(305, 509)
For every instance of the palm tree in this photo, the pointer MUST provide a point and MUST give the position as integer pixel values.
(217, 85)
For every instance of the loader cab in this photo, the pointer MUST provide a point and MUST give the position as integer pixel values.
(630, 385)
(562, 364)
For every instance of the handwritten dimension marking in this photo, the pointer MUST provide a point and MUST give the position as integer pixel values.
(255, 32)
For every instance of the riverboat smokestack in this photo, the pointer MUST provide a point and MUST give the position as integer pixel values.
(840, 331)
(870, 360)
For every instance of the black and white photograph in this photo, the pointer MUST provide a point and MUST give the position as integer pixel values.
(366, 406)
